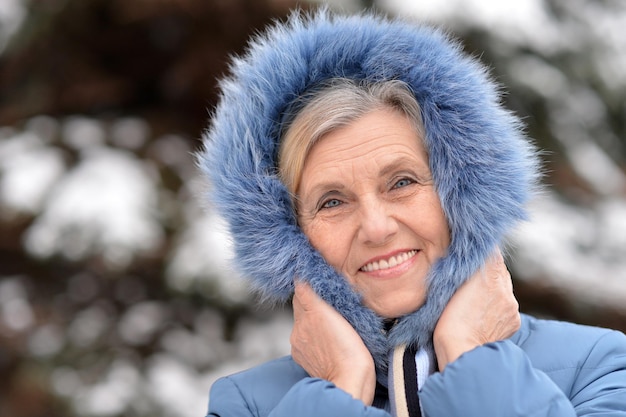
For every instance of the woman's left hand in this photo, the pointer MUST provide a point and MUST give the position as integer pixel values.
(328, 347)
(483, 310)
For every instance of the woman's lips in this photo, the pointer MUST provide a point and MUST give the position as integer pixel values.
(389, 262)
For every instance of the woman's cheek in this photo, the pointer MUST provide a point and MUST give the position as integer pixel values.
(328, 238)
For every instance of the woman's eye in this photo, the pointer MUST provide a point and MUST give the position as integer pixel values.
(333, 202)
(403, 183)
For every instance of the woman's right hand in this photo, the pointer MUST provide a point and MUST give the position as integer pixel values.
(328, 347)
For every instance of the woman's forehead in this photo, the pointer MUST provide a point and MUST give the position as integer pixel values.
(376, 145)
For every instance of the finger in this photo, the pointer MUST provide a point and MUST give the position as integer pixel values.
(298, 296)
(297, 307)
(495, 261)
(296, 293)
(506, 280)
(305, 295)
(495, 258)
(495, 269)
(299, 286)
(303, 290)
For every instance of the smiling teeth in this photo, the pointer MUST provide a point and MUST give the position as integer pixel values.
(388, 263)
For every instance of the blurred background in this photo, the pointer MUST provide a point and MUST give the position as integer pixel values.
(116, 298)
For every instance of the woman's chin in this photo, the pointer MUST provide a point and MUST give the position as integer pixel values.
(393, 309)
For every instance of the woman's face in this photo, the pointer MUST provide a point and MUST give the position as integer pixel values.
(367, 203)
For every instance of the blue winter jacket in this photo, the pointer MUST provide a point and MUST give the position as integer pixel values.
(547, 368)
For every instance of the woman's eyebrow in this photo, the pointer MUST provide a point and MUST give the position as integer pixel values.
(400, 163)
(324, 187)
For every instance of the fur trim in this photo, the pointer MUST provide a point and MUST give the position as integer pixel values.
(483, 167)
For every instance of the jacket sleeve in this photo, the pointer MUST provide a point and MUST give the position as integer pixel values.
(601, 386)
(498, 379)
(310, 397)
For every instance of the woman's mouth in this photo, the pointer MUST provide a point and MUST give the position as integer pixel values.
(390, 262)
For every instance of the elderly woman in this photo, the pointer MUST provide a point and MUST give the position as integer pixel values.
(368, 166)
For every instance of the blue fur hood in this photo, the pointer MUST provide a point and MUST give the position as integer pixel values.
(483, 167)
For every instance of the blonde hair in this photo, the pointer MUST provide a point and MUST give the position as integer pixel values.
(336, 104)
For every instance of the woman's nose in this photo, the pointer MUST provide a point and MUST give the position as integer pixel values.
(377, 225)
